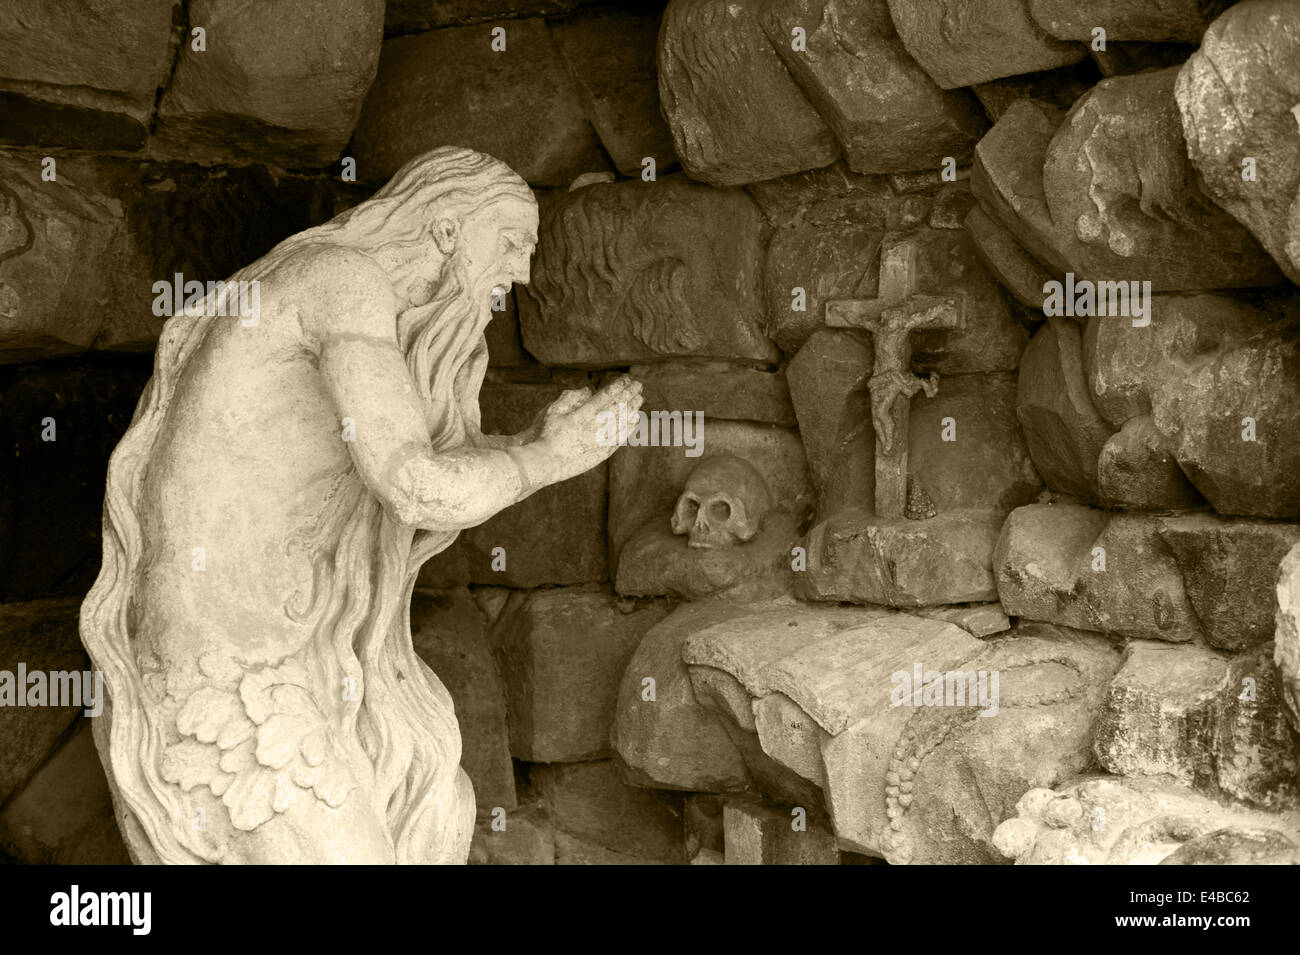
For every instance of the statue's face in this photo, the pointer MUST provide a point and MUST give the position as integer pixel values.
(497, 245)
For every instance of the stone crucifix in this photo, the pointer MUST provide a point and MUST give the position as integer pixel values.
(897, 311)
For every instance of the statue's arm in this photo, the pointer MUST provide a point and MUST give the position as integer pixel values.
(351, 326)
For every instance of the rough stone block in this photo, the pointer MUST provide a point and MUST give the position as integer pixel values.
(1063, 430)
(1078, 567)
(591, 803)
(735, 112)
(83, 78)
(562, 654)
(611, 53)
(946, 559)
(887, 113)
(283, 82)
(635, 271)
(961, 42)
(764, 835)
(1180, 21)
(522, 837)
(450, 88)
(1237, 96)
(664, 737)
(1212, 723)
(1117, 180)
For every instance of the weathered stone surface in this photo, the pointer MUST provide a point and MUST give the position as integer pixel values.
(1058, 88)
(854, 556)
(1063, 430)
(1180, 21)
(1205, 365)
(449, 634)
(757, 834)
(282, 82)
(1237, 96)
(1110, 821)
(64, 815)
(1078, 567)
(899, 784)
(1230, 420)
(655, 561)
(449, 88)
(1236, 846)
(1009, 181)
(1136, 469)
(1007, 177)
(644, 483)
(884, 109)
(828, 386)
(637, 271)
(826, 260)
(79, 79)
(416, 16)
(1018, 271)
(562, 654)
(1117, 182)
(664, 737)
(1186, 712)
(51, 512)
(960, 42)
(735, 112)
(58, 247)
(40, 635)
(526, 839)
(719, 389)
(1287, 636)
(611, 54)
(1229, 569)
(555, 536)
(591, 802)
(979, 620)
(986, 463)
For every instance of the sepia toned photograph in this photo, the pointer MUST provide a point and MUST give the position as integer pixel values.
(705, 432)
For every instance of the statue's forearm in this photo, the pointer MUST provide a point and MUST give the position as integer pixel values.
(453, 490)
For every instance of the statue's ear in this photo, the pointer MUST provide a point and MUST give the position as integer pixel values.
(444, 234)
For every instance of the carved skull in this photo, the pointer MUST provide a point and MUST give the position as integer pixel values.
(724, 502)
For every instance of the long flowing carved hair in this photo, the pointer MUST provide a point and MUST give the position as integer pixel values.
(364, 562)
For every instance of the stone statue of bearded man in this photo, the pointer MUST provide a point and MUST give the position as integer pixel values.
(267, 513)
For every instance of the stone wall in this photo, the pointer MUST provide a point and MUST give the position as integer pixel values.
(1093, 507)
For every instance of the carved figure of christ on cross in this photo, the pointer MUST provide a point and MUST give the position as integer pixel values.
(891, 317)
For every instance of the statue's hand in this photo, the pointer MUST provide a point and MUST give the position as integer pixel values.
(568, 401)
(571, 424)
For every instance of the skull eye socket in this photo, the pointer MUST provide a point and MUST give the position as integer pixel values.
(720, 511)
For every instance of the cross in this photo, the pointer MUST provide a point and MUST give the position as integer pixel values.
(890, 317)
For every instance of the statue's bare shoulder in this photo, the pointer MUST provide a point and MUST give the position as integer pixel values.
(336, 292)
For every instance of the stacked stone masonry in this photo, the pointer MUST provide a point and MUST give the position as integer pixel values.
(978, 342)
